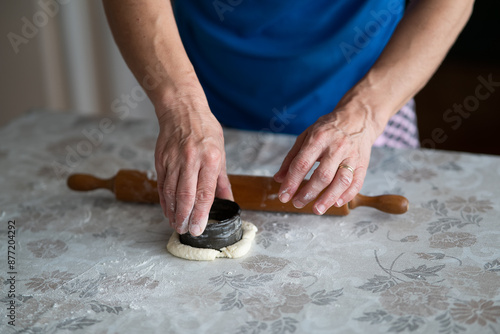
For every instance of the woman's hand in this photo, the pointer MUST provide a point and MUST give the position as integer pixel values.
(190, 163)
(344, 137)
(341, 138)
(189, 156)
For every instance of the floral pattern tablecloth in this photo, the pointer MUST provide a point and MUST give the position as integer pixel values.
(84, 262)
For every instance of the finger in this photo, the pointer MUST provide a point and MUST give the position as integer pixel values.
(160, 186)
(299, 167)
(341, 182)
(320, 179)
(184, 199)
(205, 193)
(168, 192)
(281, 173)
(160, 179)
(223, 189)
(355, 188)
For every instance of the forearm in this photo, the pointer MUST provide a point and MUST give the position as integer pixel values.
(418, 46)
(190, 159)
(147, 35)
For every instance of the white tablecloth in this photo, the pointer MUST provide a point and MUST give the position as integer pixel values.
(85, 263)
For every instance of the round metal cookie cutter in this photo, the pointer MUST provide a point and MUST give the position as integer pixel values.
(225, 231)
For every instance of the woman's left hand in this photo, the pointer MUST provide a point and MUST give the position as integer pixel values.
(341, 138)
(345, 136)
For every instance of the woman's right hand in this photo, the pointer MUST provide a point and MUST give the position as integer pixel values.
(189, 157)
(190, 162)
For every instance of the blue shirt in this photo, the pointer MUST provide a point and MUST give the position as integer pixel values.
(277, 65)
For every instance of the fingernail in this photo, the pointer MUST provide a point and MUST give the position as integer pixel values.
(339, 203)
(298, 204)
(321, 209)
(284, 197)
(195, 230)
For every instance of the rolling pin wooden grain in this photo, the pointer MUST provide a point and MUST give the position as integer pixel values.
(258, 193)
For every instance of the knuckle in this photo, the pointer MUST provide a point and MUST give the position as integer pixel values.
(342, 144)
(320, 136)
(344, 180)
(300, 165)
(169, 193)
(212, 157)
(190, 156)
(161, 157)
(164, 163)
(189, 151)
(204, 196)
(316, 142)
(184, 196)
(324, 176)
(356, 186)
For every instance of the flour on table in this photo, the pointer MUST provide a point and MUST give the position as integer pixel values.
(236, 250)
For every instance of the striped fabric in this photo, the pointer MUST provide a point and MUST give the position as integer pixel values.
(401, 130)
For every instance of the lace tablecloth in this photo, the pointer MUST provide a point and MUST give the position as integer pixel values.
(85, 263)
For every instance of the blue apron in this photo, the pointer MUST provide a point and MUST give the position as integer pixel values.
(277, 65)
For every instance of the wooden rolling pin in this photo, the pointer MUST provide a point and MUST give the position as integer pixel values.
(250, 192)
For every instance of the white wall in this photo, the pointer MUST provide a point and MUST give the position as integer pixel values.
(59, 54)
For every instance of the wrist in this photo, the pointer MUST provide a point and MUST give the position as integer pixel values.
(358, 115)
(186, 94)
(372, 102)
(171, 88)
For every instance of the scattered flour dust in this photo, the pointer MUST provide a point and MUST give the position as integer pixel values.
(151, 175)
(236, 250)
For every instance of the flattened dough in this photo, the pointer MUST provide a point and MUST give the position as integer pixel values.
(236, 250)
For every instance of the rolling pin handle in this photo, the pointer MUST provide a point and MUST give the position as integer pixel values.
(394, 204)
(86, 182)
